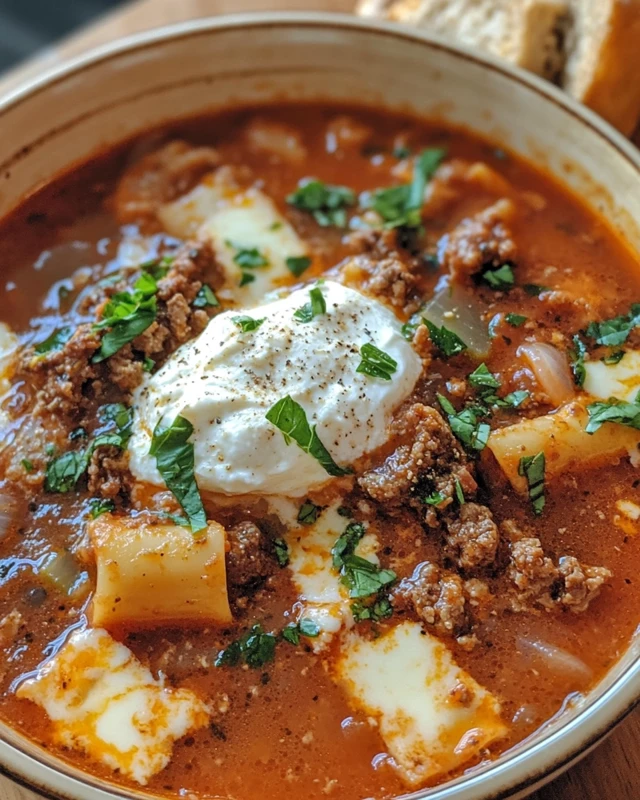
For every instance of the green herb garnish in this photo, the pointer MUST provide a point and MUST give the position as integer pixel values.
(281, 550)
(256, 648)
(576, 359)
(447, 342)
(308, 513)
(482, 378)
(434, 499)
(248, 257)
(516, 320)
(613, 410)
(613, 358)
(532, 468)
(362, 577)
(317, 305)
(614, 332)
(326, 203)
(175, 460)
(206, 297)
(290, 418)
(465, 425)
(346, 543)
(247, 324)
(374, 612)
(534, 289)
(28, 465)
(127, 315)
(376, 363)
(459, 492)
(99, 506)
(298, 264)
(501, 279)
(56, 341)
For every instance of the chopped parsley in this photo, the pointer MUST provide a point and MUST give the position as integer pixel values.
(99, 506)
(447, 342)
(326, 203)
(577, 355)
(175, 460)
(483, 378)
(613, 410)
(281, 551)
(247, 324)
(378, 610)
(127, 315)
(63, 472)
(248, 257)
(376, 363)
(206, 298)
(515, 320)
(308, 513)
(346, 543)
(317, 305)
(56, 341)
(402, 205)
(614, 332)
(255, 649)
(290, 418)
(364, 578)
(246, 278)
(465, 425)
(305, 627)
(434, 499)
(486, 383)
(532, 468)
(298, 264)
(501, 279)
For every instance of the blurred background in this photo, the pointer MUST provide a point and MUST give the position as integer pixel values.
(27, 26)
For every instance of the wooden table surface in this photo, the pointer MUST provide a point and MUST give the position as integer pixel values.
(612, 772)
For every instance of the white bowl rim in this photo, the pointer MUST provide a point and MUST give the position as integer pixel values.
(522, 769)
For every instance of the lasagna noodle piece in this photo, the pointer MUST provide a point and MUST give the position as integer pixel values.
(149, 575)
(432, 715)
(237, 221)
(102, 701)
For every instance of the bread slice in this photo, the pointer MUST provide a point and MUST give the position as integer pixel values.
(602, 67)
(525, 32)
(590, 47)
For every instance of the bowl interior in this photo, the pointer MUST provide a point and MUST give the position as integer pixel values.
(193, 68)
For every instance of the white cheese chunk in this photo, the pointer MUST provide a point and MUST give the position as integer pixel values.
(103, 701)
(8, 348)
(432, 715)
(236, 219)
(225, 381)
(621, 380)
(323, 598)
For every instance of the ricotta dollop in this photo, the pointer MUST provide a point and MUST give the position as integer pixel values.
(226, 380)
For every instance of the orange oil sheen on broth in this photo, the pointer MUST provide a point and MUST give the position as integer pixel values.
(287, 725)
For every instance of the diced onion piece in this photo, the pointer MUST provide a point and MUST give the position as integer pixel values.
(551, 370)
(8, 513)
(61, 569)
(564, 441)
(456, 309)
(152, 575)
(557, 660)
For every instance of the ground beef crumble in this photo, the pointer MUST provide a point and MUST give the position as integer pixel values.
(249, 561)
(472, 537)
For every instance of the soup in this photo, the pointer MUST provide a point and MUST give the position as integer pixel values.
(319, 456)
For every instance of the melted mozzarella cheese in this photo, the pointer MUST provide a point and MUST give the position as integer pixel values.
(323, 598)
(225, 381)
(621, 380)
(103, 701)
(431, 714)
(8, 347)
(236, 219)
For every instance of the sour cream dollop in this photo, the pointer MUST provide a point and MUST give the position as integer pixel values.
(225, 381)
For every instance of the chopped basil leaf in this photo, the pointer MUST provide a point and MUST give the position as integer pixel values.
(459, 492)
(122, 417)
(376, 363)
(482, 378)
(346, 543)
(298, 264)
(248, 257)
(362, 577)
(206, 297)
(158, 268)
(127, 315)
(534, 289)
(501, 279)
(308, 513)
(402, 205)
(614, 332)
(449, 343)
(613, 358)
(613, 411)
(28, 465)
(291, 634)
(99, 505)
(400, 152)
(316, 306)
(516, 320)
(246, 278)
(281, 550)
(290, 418)
(576, 359)
(376, 611)
(344, 511)
(148, 364)
(532, 468)
(465, 425)
(247, 324)
(275, 226)
(308, 628)
(514, 399)
(65, 471)
(410, 327)
(56, 341)
(434, 499)
(175, 461)
(326, 203)
(255, 648)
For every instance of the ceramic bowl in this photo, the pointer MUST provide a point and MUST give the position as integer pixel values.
(72, 113)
